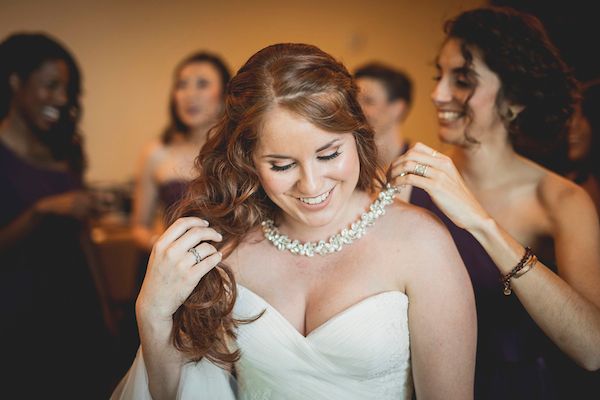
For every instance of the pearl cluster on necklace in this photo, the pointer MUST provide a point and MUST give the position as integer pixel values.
(336, 242)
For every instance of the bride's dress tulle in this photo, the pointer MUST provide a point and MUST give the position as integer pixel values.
(361, 353)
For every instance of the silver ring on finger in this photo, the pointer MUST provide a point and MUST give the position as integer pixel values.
(196, 254)
(421, 169)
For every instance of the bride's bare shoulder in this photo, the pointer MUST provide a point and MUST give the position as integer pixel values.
(406, 217)
(416, 231)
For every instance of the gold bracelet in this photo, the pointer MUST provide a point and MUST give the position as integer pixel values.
(528, 266)
(506, 278)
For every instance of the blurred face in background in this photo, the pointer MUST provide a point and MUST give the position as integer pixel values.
(580, 136)
(198, 94)
(373, 98)
(41, 98)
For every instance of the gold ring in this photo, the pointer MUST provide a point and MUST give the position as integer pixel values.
(420, 169)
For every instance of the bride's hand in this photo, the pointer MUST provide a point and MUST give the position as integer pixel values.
(424, 167)
(174, 270)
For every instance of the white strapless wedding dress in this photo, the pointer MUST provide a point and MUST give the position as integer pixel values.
(361, 353)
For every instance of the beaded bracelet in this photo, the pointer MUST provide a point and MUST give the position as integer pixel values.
(524, 261)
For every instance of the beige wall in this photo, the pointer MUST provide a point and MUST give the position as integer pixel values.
(127, 50)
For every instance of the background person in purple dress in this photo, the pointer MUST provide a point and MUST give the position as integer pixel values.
(504, 92)
(584, 141)
(166, 165)
(52, 322)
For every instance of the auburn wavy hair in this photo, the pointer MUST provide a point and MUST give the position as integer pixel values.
(516, 47)
(303, 80)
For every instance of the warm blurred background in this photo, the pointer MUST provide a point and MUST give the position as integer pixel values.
(127, 51)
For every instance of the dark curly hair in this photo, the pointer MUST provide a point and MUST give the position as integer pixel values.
(23, 53)
(516, 47)
(305, 81)
(176, 125)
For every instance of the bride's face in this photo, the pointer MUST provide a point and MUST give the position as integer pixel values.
(307, 172)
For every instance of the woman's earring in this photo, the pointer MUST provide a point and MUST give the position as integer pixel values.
(510, 114)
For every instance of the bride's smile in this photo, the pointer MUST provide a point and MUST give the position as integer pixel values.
(309, 173)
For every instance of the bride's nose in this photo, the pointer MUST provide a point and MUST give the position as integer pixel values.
(309, 181)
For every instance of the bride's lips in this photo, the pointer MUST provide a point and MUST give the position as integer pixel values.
(316, 202)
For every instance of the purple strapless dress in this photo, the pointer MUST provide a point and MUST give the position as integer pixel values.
(52, 325)
(512, 351)
(170, 192)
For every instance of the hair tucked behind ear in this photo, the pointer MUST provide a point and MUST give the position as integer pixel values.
(303, 80)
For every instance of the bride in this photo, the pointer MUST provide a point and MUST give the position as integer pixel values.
(292, 271)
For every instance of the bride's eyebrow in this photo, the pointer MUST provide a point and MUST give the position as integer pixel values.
(334, 141)
(284, 157)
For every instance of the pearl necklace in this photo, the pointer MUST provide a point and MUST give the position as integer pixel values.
(336, 242)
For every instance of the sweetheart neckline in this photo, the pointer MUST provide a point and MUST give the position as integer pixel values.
(334, 317)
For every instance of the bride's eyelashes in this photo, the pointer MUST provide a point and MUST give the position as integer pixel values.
(327, 157)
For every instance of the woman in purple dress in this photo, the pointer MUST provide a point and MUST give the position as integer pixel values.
(528, 237)
(584, 141)
(52, 321)
(166, 165)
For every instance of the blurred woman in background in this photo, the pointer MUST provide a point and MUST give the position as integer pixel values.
(51, 311)
(166, 165)
(584, 141)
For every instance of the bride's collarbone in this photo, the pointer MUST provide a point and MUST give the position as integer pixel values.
(261, 267)
(356, 255)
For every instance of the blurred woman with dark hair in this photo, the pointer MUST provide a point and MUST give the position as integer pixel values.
(51, 312)
(584, 141)
(503, 92)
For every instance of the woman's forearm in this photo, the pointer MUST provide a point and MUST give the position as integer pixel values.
(567, 317)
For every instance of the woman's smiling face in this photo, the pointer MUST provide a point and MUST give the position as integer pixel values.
(465, 96)
(309, 173)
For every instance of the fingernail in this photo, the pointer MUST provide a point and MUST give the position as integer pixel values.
(204, 222)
